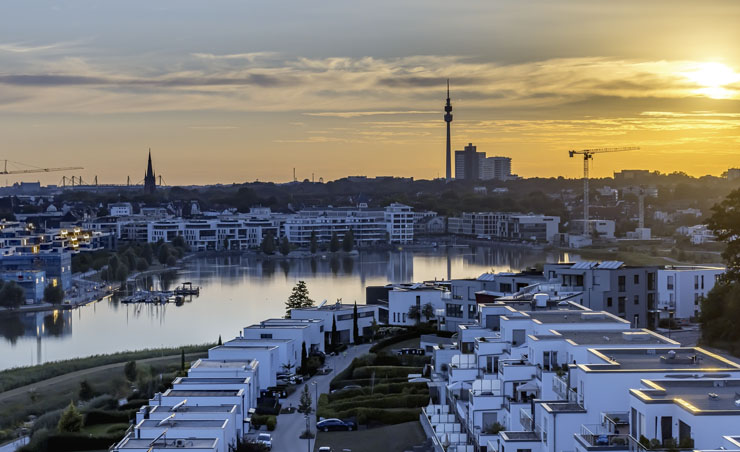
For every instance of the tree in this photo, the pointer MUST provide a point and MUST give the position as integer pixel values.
(304, 406)
(288, 368)
(163, 254)
(427, 311)
(334, 244)
(220, 342)
(121, 272)
(725, 222)
(415, 312)
(298, 298)
(285, 246)
(304, 357)
(268, 244)
(355, 326)
(86, 391)
(53, 294)
(12, 295)
(129, 370)
(182, 359)
(314, 242)
(334, 333)
(70, 421)
(348, 242)
(250, 445)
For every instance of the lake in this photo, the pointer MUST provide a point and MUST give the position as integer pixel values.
(237, 291)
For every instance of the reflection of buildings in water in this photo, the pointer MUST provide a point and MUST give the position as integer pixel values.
(395, 266)
(400, 267)
(55, 323)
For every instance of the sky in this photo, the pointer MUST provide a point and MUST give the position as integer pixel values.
(229, 91)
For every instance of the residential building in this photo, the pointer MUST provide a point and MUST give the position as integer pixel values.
(341, 315)
(468, 163)
(495, 168)
(681, 289)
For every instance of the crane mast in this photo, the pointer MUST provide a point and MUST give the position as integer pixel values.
(588, 155)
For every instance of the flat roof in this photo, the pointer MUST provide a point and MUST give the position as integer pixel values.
(334, 307)
(202, 392)
(257, 326)
(696, 395)
(685, 359)
(563, 407)
(572, 316)
(162, 443)
(221, 363)
(185, 408)
(249, 346)
(182, 423)
(607, 337)
(206, 380)
(261, 340)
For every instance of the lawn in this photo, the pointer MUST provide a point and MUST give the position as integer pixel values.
(397, 437)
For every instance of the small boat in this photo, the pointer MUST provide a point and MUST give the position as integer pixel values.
(187, 288)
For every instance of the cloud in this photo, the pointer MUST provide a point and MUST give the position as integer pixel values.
(250, 57)
(17, 47)
(358, 114)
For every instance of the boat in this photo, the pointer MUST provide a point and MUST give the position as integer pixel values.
(187, 288)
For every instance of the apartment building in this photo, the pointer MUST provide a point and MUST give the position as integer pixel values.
(505, 226)
(341, 315)
(681, 289)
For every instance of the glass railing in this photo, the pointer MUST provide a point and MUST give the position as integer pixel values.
(597, 435)
(655, 445)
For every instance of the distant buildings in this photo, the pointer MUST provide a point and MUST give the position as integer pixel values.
(682, 288)
(472, 165)
(505, 226)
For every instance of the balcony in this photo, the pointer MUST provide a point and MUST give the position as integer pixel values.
(597, 437)
(654, 445)
(560, 387)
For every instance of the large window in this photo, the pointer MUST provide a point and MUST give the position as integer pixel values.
(454, 310)
(622, 282)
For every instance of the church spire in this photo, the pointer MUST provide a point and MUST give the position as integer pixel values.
(150, 181)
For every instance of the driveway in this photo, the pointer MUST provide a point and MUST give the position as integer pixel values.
(286, 437)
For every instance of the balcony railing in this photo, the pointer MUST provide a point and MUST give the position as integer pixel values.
(525, 418)
(560, 387)
(597, 435)
(670, 445)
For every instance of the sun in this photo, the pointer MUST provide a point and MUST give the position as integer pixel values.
(713, 78)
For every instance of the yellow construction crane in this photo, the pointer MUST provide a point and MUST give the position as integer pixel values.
(36, 170)
(588, 155)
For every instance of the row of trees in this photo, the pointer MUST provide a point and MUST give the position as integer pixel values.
(270, 244)
(720, 310)
(12, 295)
(140, 257)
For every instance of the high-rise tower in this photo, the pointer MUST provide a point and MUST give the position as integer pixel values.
(150, 182)
(448, 120)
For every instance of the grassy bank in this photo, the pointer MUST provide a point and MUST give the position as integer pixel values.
(22, 376)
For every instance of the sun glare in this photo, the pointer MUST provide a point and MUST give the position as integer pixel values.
(713, 78)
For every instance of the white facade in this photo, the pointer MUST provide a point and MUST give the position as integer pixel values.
(400, 300)
(681, 289)
(344, 316)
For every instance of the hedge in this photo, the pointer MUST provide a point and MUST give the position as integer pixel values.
(381, 389)
(390, 401)
(69, 442)
(133, 404)
(385, 371)
(96, 417)
(259, 420)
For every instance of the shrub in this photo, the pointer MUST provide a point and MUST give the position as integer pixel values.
(70, 420)
(97, 417)
(385, 371)
(271, 423)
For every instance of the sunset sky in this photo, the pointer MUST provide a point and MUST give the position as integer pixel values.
(233, 91)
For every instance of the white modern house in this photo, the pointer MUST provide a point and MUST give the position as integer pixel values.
(341, 315)
(681, 289)
(308, 331)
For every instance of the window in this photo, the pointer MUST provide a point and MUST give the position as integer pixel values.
(669, 283)
(453, 310)
(637, 299)
(696, 282)
(637, 279)
(702, 281)
(472, 311)
(622, 282)
(265, 336)
(696, 299)
(621, 301)
(609, 302)
(404, 317)
(651, 281)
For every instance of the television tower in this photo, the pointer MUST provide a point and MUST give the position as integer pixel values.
(448, 120)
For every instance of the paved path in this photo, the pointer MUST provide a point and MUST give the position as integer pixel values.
(76, 375)
(286, 437)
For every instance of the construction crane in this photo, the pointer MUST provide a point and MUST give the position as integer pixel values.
(588, 154)
(36, 170)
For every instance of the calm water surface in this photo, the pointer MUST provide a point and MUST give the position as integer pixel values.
(235, 291)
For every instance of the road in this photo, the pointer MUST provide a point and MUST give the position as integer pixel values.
(286, 437)
(79, 374)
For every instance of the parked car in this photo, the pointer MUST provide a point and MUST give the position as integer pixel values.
(325, 449)
(347, 388)
(265, 439)
(335, 424)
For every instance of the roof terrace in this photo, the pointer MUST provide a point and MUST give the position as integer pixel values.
(698, 396)
(678, 359)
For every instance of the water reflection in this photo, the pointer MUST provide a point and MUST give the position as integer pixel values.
(235, 291)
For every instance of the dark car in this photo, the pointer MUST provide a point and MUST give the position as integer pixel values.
(335, 424)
